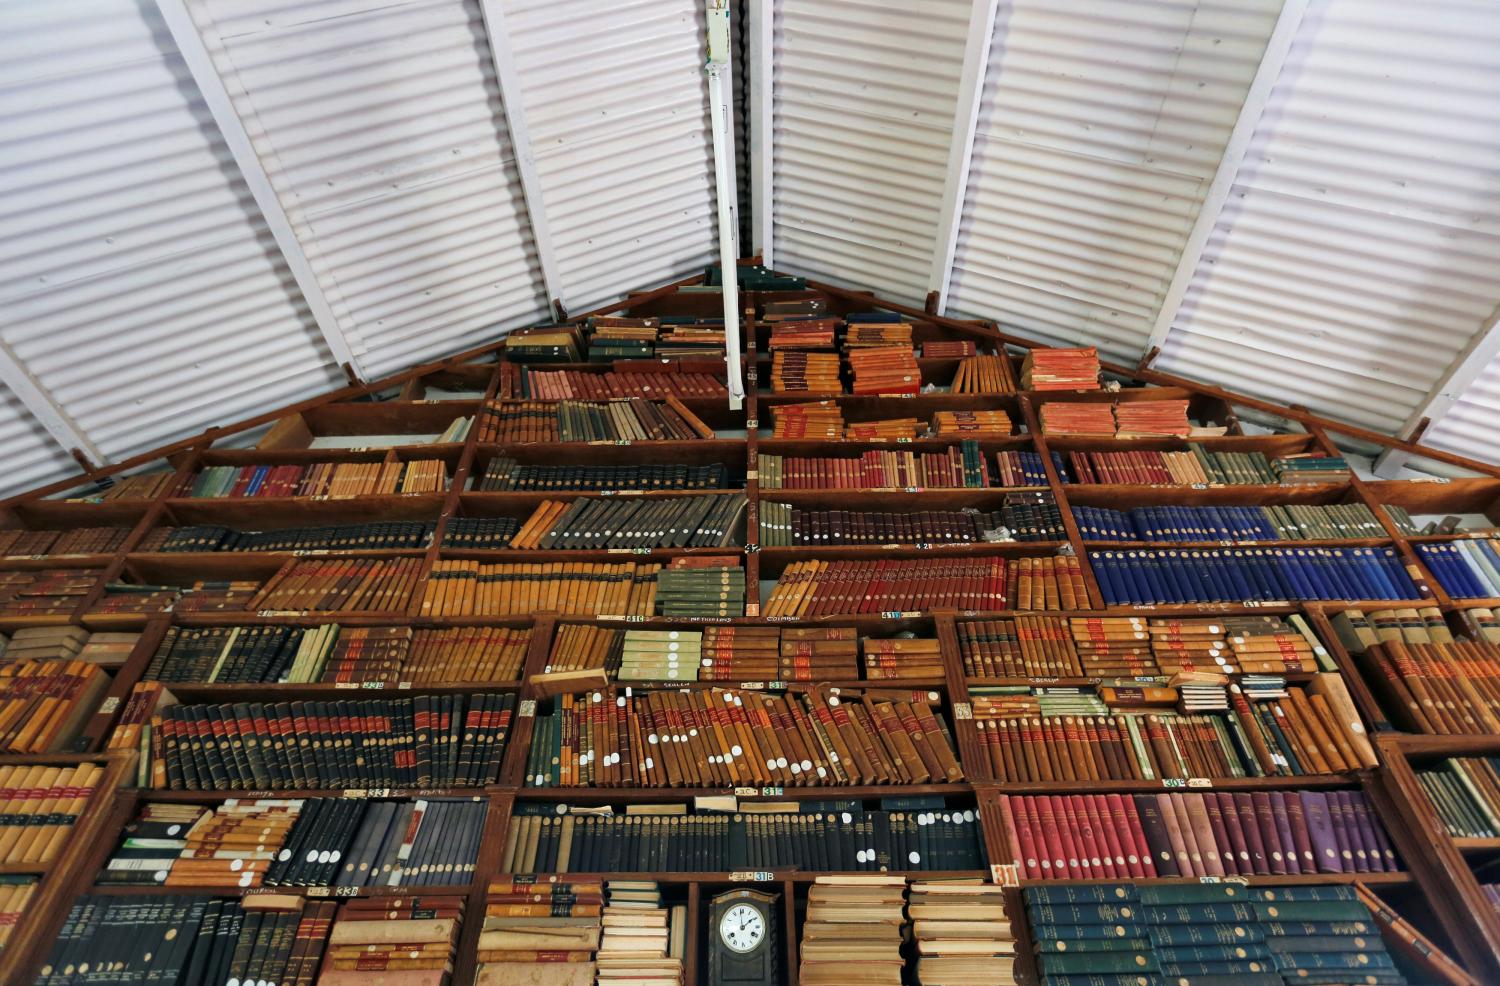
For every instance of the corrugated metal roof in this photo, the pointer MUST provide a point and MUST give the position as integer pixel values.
(127, 240)
(1359, 251)
(1472, 425)
(380, 128)
(1100, 127)
(864, 97)
(32, 458)
(616, 103)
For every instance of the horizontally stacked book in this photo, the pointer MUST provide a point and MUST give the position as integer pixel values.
(963, 933)
(644, 943)
(854, 931)
(540, 931)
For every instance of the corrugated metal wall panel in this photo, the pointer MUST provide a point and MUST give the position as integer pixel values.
(1360, 248)
(1102, 124)
(128, 240)
(864, 94)
(380, 127)
(616, 103)
(1472, 425)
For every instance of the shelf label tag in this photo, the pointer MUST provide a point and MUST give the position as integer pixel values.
(109, 705)
(527, 708)
(1005, 874)
(751, 876)
(963, 710)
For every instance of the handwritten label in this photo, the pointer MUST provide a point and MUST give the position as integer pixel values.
(109, 705)
(1199, 782)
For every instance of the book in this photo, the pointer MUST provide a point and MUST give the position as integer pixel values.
(1194, 466)
(331, 480)
(39, 805)
(992, 423)
(380, 942)
(549, 385)
(816, 588)
(1437, 688)
(1022, 517)
(1465, 793)
(796, 370)
(44, 704)
(543, 931)
(980, 374)
(332, 537)
(1466, 568)
(1187, 524)
(424, 741)
(643, 941)
(383, 585)
(469, 588)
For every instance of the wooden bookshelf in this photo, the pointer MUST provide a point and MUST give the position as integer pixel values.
(395, 420)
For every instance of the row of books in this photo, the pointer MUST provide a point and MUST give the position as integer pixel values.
(625, 419)
(321, 479)
(1194, 466)
(701, 586)
(39, 805)
(1130, 646)
(45, 592)
(1194, 834)
(1447, 689)
(586, 655)
(424, 741)
(664, 838)
(1097, 933)
(503, 474)
(963, 467)
(1124, 419)
(983, 375)
(479, 533)
(1291, 522)
(331, 653)
(1465, 792)
(1022, 517)
(1466, 569)
(381, 585)
(593, 523)
(1022, 468)
(729, 738)
(44, 704)
(1300, 731)
(78, 541)
(385, 535)
(568, 384)
(313, 842)
(820, 588)
(466, 588)
(1234, 575)
(141, 486)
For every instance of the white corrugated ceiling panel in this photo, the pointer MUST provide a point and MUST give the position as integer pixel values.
(128, 240)
(1471, 426)
(32, 457)
(1360, 248)
(863, 101)
(616, 103)
(1101, 126)
(379, 125)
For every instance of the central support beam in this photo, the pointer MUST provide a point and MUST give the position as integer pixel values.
(39, 401)
(509, 81)
(982, 16)
(720, 69)
(220, 104)
(1278, 45)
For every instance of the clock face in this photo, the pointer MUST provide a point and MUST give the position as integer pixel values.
(742, 928)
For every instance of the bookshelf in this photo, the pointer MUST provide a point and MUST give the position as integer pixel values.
(396, 421)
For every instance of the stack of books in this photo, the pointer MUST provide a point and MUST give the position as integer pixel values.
(1309, 469)
(413, 936)
(545, 344)
(822, 420)
(803, 334)
(885, 370)
(660, 655)
(540, 931)
(701, 585)
(644, 942)
(897, 428)
(948, 348)
(794, 370)
(614, 337)
(747, 653)
(901, 658)
(1061, 369)
(963, 933)
(995, 422)
(854, 930)
(1091, 420)
(1152, 419)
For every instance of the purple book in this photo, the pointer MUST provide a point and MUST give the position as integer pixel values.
(1284, 831)
(1270, 836)
(1377, 846)
(1244, 810)
(1320, 830)
(1297, 818)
